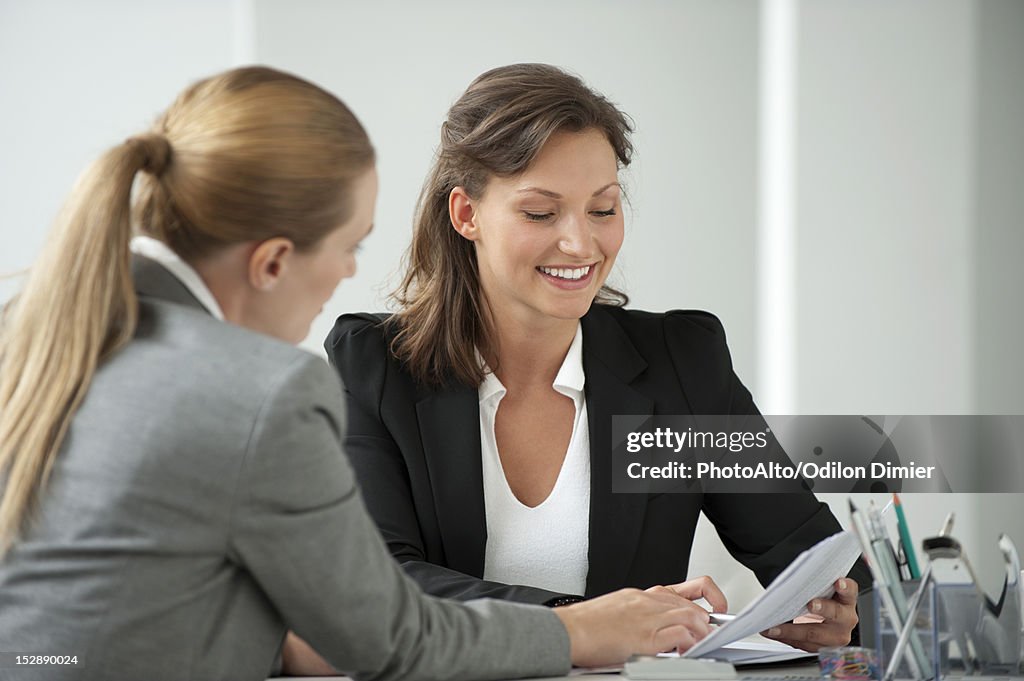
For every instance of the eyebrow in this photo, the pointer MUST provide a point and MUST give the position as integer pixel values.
(556, 195)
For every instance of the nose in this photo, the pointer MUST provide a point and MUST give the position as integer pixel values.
(576, 239)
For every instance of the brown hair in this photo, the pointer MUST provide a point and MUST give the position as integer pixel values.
(496, 128)
(246, 155)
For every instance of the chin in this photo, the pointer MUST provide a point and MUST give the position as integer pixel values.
(569, 310)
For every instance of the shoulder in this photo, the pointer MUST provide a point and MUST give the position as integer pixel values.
(683, 348)
(206, 356)
(364, 330)
(359, 340)
(359, 349)
(692, 328)
(199, 391)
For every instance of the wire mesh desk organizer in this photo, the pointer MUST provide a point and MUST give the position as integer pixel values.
(943, 625)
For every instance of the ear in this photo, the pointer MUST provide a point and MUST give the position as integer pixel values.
(462, 213)
(269, 262)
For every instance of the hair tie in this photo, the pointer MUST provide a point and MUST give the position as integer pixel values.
(155, 151)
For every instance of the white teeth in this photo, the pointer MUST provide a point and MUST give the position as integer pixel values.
(565, 273)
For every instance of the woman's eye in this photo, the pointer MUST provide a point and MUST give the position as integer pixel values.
(537, 217)
(604, 213)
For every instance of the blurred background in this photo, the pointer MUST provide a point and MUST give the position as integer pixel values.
(841, 181)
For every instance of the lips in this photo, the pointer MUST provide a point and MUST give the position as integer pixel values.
(567, 273)
(568, 278)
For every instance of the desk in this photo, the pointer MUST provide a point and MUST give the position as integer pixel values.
(799, 670)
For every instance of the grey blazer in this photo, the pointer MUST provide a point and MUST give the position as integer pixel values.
(202, 504)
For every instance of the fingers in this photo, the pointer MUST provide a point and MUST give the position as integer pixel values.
(680, 629)
(841, 608)
(846, 591)
(666, 595)
(676, 637)
(826, 608)
(607, 629)
(810, 637)
(839, 618)
(703, 587)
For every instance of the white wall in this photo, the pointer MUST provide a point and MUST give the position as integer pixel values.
(886, 141)
(77, 78)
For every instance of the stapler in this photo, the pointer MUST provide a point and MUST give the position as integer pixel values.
(650, 668)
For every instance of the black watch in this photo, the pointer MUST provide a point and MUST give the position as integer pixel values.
(559, 601)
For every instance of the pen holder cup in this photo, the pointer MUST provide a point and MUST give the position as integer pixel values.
(952, 635)
(877, 631)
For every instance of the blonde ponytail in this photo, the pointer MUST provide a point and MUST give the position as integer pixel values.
(77, 306)
(245, 155)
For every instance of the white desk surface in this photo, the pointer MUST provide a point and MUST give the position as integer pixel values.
(797, 670)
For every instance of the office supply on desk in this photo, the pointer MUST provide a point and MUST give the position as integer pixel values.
(947, 526)
(959, 629)
(987, 632)
(909, 626)
(905, 540)
(648, 667)
(811, 575)
(887, 584)
(901, 561)
(882, 548)
(849, 662)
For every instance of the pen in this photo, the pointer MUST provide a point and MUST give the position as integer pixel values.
(884, 553)
(720, 617)
(947, 526)
(885, 509)
(901, 561)
(908, 544)
(908, 631)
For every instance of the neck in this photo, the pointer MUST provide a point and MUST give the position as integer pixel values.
(530, 355)
(225, 274)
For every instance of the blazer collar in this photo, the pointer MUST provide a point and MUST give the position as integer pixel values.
(611, 363)
(154, 280)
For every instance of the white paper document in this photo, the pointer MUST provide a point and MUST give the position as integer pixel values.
(811, 575)
(760, 651)
(752, 651)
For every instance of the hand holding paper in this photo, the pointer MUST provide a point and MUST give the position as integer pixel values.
(836, 617)
(812, 575)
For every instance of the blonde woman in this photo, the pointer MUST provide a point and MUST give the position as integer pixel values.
(174, 490)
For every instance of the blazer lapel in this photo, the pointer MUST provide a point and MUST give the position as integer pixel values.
(610, 362)
(449, 422)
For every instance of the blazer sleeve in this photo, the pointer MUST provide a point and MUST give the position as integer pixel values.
(300, 528)
(766, 531)
(357, 349)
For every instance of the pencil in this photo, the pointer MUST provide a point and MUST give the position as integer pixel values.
(908, 543)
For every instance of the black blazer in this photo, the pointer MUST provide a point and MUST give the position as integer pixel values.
(416, 452)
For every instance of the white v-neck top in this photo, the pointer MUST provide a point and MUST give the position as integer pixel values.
(545, 546)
